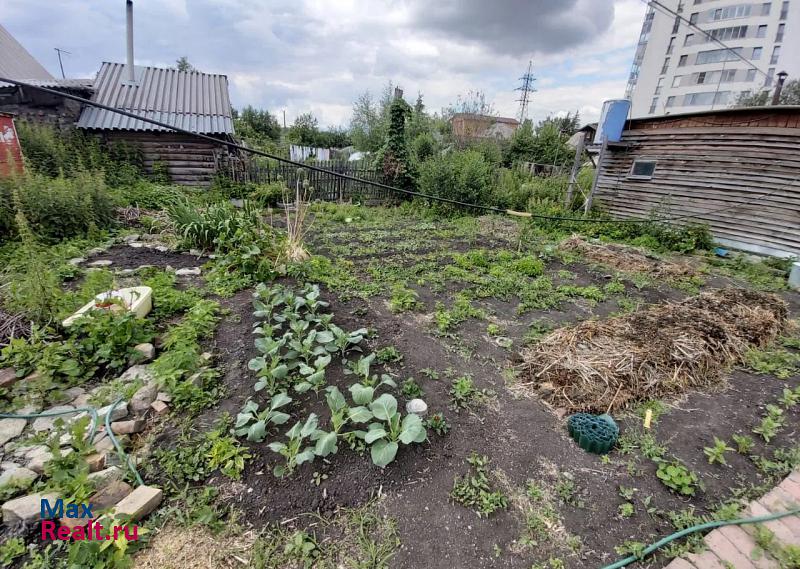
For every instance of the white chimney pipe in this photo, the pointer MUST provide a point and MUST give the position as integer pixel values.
(129, 24)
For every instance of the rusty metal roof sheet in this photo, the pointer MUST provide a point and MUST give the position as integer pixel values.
(16, 62)
(191, 100)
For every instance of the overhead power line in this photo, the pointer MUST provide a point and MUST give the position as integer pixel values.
(369, 182)
(668, 11)
(527, 90)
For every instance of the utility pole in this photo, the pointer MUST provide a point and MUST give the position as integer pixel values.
(776, 98)
(526, 88)
(60, 63)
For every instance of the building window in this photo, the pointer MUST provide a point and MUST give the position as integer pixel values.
(676, 81)
(693, 18)
(642, 169)
(738, 11)
(784, 10)
(701, 78)
(751, 75)
(665, 66)
(762, 32)
(659, 85)
(770, 75)
(653, 105)
(776, 53)
(765, 8)
(670, 101)
(680, 6)
(682, 60)
(734, 33)
(718, 55)
(688, 39)
(677, 25)
(671, 45)
(757, 53)
(728, 76)
(779, 35)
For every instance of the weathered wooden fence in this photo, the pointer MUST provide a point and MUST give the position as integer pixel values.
(327, 186)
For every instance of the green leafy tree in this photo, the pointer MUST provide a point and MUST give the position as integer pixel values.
(304, 130)
(523, 144)
(790, 95)
(370, 121)
(182, 64)
(257, 123)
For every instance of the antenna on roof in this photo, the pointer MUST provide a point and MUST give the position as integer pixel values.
(527, 90)
(60, 63)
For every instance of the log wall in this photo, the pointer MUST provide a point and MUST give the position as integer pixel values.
(189, 161)
(743, 181)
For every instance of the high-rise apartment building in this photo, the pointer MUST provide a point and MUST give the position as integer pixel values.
(681, 64)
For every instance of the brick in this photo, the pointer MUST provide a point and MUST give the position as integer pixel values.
(109, 496)
(679, 563)
(705, 560)
(747, 546)
(792, 488)
(127, 427)
(139, 503)
(727, 551)
(795, 476)
(104, 477)
(159, 407)
(782, 499)
(141, 400)
(782, 533)
(8, 377)
(26, 509)
(96, 461)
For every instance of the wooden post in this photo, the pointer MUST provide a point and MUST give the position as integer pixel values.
(576, 165)
(588, 204)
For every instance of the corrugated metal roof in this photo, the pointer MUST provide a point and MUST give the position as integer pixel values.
(63, 83)
(191, 100)
(16, 62)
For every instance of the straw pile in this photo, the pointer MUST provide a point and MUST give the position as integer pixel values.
(628, 259)
(13, 326)
(661, 351)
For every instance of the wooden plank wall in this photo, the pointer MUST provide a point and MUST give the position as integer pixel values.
(189, 161)
(748, 173)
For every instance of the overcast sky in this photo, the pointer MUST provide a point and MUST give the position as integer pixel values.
(318, 55)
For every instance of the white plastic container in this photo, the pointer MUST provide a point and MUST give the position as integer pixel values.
(137, 299)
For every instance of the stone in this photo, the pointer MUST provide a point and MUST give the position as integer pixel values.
(96, 251)
(76, 261)
(8, 465)
(20, 474)
(164, 396)
(140, 371)
(195, 252)
(26, 509)
(417, 407)
(110, 495)
(96, 461)
(159, 408)
(8, 377)
(74, 392)
(162, 248)
(189, 271)
(119, 412)
(35, 376)
(100, 263)
(106, 476)
(105, 445)
(82, 400)
(143, 267)
(147, 352)
(141, 400)
(206, 356)
(127, 427)
(38, 463)
(126, 272)
(47, 423)
(138, 503)
(136, 245)
(131, 238)
(11, 429)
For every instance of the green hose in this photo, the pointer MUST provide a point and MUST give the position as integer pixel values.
(93, 412)
(700, 527)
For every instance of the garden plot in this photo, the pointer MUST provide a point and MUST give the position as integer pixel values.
(289, 443)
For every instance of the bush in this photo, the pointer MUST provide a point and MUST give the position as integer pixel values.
(423, 146)
(463, 176)
(149, 195)
(57, 208)
(267, 195)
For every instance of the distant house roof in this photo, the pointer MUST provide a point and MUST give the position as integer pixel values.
(191, 100)
(16, 62)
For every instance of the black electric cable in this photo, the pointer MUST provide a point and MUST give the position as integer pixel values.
(361, 180)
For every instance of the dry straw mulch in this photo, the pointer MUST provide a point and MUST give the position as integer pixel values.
(659, 351)
(627, 259)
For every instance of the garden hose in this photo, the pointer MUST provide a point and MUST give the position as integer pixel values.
(700, 527)
(93, 412)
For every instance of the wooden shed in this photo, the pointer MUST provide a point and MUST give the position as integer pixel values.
(195, 101)
(738, 170)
